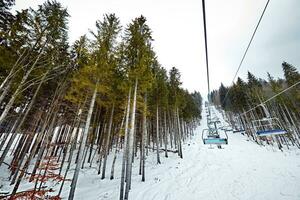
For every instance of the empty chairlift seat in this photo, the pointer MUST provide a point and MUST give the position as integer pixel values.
(215, 141)
(271, 132)
(212, 137)
(268, 127)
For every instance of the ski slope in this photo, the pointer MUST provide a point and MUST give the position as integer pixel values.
(241, 170)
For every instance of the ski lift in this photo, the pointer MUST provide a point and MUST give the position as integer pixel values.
(212, 137)
(238, 131)
(226, 128)
(214, 121)
(213, 124)
(268, 127)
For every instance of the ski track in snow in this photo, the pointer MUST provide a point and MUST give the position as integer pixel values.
(241, 170)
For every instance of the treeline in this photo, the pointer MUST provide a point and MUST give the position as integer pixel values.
(67, 104)
(254, 99)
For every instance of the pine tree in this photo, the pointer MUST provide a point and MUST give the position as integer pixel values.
(292, 77)
(290, 73)
(238, 96)
(6, 17)
(222, 93)
(254, 88)
(73, 104)
(139, 57)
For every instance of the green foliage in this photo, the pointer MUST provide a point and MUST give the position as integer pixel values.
(222, 94)
(5, 16)
(174, 84)
(108, 61)
(292, 77)
(139, 57)
(290, 73)
(239, 98)
(245, 95)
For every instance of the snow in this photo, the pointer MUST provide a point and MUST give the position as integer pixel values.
(240, 170)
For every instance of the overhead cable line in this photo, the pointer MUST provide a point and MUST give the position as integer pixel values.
(249, 44)
(206, 51)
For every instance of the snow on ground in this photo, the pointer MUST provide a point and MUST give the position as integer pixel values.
(240, 170)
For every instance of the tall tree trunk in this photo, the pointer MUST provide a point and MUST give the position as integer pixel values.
(6, 89)
(126, 146)
(130, 146)
(116, 150)
(26, 165)
(20, 86)
(144, 138)
(72, 147)
(179, 135)
(85, 134)
(11, 140)
(107, 141)
(157, 136)
(165, 134)
(10, 131)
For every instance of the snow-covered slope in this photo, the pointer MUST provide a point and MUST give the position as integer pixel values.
(241, 170)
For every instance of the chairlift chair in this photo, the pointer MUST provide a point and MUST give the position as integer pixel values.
(212, 137)
(238, 131)
(213, 124)
(268, 127)
(226, 128)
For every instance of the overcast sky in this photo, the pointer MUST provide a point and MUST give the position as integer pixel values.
(178, 33)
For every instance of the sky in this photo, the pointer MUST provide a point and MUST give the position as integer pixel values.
(177, 27)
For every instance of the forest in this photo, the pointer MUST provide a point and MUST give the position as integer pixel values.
(248, 101)
(65, 107)
(102, 118)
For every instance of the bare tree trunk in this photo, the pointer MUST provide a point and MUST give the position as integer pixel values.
(19, 159)
(179, 134)
(165, 134)
(10, 132)
(6, 89)
(73, 144)
(66, 147)
(170, 129)
(11, 140)
(26, 165)
(93, 136)
(157, 136)
(144, 139)
(125, 151)
(85, 134)
(130, 146)
(19, 88)
(107, 141)
(100, 146)
(116, 150)
(47, 139)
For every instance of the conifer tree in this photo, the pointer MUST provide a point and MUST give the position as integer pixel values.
(222, 93)
(74, 104)
(292, 77)
(290, 73)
